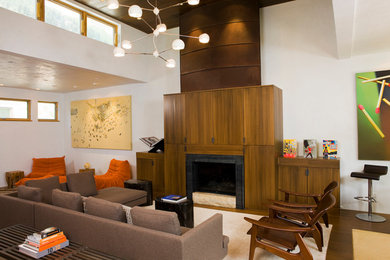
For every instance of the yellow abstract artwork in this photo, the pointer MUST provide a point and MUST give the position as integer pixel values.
(103, 123)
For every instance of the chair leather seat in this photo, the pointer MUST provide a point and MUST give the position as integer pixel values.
(366, 175)
(281, 238)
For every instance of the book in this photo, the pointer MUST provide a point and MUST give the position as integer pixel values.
(310, 148)
(174, 198)
(289, 148)
(41, 247)
(149, 141)
(34, 238)
(26, 249)
(329, 149)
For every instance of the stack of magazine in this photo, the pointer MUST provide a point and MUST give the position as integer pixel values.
(43, 243)
(174, 198)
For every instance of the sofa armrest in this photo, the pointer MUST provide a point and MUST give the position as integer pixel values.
(205, 241)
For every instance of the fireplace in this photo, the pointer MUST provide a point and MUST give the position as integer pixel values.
(216, 174)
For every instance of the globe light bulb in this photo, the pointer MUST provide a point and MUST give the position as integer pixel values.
(126, 44)
(135, 11)
(178, 45)
(156, 32)
(119, 52)
(112, 4)
(171, 63)
(204, 38)
(156, 11)
(156, 54)
(193, 2)
(161, 27)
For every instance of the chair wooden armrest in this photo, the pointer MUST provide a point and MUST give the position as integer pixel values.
(292, 205)
(278, 227)
(300, 194)
(290, 210)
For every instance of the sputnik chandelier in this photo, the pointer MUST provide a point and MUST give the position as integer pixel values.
(135, 11)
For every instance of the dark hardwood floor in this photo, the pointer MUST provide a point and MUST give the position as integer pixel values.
(343, 221)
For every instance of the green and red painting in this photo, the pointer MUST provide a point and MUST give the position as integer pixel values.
(373, 115)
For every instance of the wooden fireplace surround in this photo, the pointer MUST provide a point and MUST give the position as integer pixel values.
(243, 121)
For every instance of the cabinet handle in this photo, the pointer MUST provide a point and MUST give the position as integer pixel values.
(212, 139)
(243, 140)
(307, 172)
(152, 163)
(185, 139)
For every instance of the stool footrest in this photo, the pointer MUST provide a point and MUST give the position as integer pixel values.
(365, 198)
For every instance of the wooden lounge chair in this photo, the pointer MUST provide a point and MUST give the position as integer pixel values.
(281, 237)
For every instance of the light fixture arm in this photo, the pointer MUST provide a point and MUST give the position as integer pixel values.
(178, 4)
(180, 35)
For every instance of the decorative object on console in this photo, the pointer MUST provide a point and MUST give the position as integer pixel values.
(329, 149)
(149, 141)
(289, 148)
(87, 165)
(103, 123)
(309, 148)
(135, 11)
(372, 95)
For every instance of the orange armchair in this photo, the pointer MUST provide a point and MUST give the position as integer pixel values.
(118, 172)
(46, 167)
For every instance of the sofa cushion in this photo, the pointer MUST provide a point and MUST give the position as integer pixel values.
(104, 209)
(83, 183)
(68, 200)
(164, 221)
(121, 195)
(47, 186)
(29, 193)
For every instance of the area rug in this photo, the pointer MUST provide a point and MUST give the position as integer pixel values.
(235, 227)
(370, 245)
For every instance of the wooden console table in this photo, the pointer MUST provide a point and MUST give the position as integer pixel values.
(11, 237)
(308, 176)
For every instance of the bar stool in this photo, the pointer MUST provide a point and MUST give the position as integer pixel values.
(370, 172)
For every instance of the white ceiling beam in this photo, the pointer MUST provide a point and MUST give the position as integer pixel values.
(344, 19)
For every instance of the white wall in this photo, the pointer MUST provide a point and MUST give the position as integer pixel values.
(298, 54)
(147, 111)
(22, 141)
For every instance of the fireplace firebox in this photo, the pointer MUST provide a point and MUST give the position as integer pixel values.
(219, 174)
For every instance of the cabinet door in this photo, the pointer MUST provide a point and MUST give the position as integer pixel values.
(229, 116)
(145, 169)
(200, 117)
(292, 178)
(260, 176)
(152, 169)
(259, 119)
(174, 169)
(174, 119)
(319, 178)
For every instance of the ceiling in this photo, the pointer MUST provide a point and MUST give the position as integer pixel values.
(169, 16)
(32, 73)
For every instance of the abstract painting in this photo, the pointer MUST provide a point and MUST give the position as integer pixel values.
(103, 123)
(373, 115)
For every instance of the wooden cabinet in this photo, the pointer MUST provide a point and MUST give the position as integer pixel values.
(226, 122)
(263, 121)
(308, 176)
(174, 169)
(260, 176)
(174, 119)
(150, 166)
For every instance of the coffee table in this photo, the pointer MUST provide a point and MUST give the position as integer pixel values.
(11, 237)
(184, 210)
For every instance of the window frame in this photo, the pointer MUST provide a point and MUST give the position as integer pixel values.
(28, 119)
(83, 17)
(55, 113)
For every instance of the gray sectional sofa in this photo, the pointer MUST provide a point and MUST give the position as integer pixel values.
(139, 240)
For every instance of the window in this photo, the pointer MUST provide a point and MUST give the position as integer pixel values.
(25, 7)
(47, 111)
(100, 30)
(63, 16)
(15, 109)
